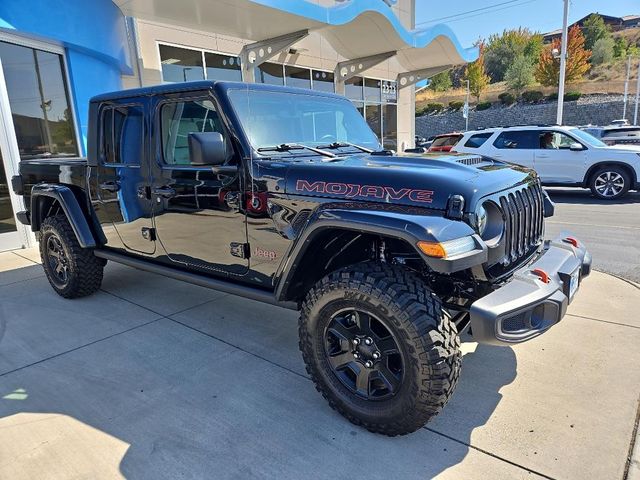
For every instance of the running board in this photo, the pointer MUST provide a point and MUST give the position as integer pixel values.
(196, 279)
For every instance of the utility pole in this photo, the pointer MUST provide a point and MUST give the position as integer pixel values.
(626, 87)
(635, 114)
(465, 110)
(563, 62)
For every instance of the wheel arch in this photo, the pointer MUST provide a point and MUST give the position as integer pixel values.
(609, 163)
(48, 199)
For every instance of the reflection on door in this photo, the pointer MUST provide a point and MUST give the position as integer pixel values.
(7, 219)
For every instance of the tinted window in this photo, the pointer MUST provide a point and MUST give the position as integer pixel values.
(522, 139)
(297, 77)
(181, 64)
(223, 67)
(122, 135)
(622, 132)
(477, 140)
(353, 88)
(372, 90)
(178, 120)
(390, 126)
(270, 73)
(551, 140)
(446, 141)
(323, 81)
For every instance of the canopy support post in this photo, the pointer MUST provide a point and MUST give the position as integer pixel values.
(350, 68)
(255, 54)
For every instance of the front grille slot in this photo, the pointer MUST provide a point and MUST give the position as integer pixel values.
(523, 216)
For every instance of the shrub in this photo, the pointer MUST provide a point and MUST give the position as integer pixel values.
(519, 75)
(456, 105)
(483, 106)
(603, 51)
(571, 96)
(552, 97)
(433, 107)
(507, 98)
(532, 96)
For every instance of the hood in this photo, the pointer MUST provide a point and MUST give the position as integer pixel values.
(417, 180)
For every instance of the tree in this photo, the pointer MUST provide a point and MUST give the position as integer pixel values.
(519, 75)
(594, 29)
(504, 48)
(620, 47)
(440, 82)
(548, 69)
(475, 73)
(602, 51)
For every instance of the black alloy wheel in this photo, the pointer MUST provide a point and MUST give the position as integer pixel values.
(58, 261)
(363, 354)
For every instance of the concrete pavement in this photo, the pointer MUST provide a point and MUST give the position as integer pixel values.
(153, 378)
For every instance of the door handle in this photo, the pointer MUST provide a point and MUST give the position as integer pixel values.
(164, 192)
(540, 155)
(110, 186)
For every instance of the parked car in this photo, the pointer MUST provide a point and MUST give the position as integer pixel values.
(285, 196)
(615, 135)
(561, 155)
(423, 142)
(443, 143)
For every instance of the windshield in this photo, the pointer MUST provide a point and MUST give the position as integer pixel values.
(274, 118)
(587, 138)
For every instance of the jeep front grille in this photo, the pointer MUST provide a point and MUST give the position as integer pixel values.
(524, 221)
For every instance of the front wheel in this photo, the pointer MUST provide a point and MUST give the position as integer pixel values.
(72, 271)
(610, 183)
(379, 347)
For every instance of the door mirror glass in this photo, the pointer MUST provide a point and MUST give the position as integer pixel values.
(207, 148)
(576, 147)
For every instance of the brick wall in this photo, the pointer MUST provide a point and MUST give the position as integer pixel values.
(589, 110)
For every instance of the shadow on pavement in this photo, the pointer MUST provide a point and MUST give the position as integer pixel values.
(585, 197)
(165, 401)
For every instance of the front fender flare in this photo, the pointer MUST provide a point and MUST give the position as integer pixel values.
(70, 206)
(410, 227)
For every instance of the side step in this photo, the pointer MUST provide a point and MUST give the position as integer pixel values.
(196, 279)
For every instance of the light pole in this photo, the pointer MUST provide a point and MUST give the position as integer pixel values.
(626, 88)
(465, 110)
(635, 114)
(563, 62)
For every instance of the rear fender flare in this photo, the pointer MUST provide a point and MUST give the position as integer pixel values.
(70, 206)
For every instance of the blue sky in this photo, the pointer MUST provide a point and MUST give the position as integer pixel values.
(537, 15)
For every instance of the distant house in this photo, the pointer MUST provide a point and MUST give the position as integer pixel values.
(616, 23)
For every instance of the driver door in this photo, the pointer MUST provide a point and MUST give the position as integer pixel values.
(555, 162)
(197, 214)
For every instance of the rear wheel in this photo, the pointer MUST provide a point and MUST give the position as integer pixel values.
(610, 183)
(379, 347)
(72, 271)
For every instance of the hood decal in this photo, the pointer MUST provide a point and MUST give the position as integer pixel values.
(356, 191)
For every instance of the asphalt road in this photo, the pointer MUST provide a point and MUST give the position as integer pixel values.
(610, 229)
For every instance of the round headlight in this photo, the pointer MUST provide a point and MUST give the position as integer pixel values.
(481, 219)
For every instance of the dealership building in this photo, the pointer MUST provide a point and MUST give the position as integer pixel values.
(56, 54)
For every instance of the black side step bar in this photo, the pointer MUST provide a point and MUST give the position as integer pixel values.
(201, 280)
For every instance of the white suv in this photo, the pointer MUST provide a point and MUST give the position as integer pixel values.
(561, 156)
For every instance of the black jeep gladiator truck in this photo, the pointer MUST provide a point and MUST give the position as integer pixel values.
(285, 196)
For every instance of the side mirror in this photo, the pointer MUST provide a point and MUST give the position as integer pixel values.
(576, 147)
(207, 148)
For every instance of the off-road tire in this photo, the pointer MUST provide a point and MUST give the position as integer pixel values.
(428, 339)
(84, 268)
(613, 170)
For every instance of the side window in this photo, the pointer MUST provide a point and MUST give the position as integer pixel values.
(521, 139)
(551, 140)
(122, 135)
(178, 120)
(477, 140)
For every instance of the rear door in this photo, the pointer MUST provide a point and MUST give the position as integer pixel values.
(555, 162)
(121, 191)
(197, 213)
(515, 146)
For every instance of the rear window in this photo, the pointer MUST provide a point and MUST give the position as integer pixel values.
(521, 139)
(622, 132)
(446, 141)
(477, 140)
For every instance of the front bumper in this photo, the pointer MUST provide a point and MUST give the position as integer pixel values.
(531, 303)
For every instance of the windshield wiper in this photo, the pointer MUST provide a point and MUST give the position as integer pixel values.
(335, 145)
(286, 147)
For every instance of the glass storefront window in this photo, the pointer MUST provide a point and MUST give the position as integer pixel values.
(390, 126)
(353, 88)
(39, 102)
(372, 90)
(181, 64)
(222, 67)
(7, 221)
(373, 115)
(359, 106)
(322, 81)
(297, 76)
(389, 92)
(270, 73)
